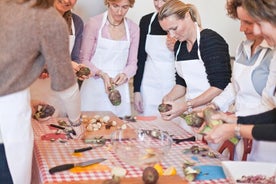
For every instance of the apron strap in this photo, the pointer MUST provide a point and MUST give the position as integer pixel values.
(198, 43)
(151, 20)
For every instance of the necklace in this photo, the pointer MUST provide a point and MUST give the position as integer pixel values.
(114, 25)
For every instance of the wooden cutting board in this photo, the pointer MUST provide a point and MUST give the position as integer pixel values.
(162, 180)
(102, 131)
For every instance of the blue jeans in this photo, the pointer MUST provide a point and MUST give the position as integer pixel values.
(5, 175)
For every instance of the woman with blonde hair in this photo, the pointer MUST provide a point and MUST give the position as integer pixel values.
(202, 59)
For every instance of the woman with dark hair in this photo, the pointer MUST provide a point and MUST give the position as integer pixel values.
(263, 13)
(34, 35)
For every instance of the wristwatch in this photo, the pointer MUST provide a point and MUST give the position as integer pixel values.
(237, 130)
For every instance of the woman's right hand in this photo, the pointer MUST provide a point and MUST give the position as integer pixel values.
(107, 82)
(138, 102)
(170, 42)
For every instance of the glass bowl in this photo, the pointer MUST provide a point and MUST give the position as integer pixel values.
(140, 148)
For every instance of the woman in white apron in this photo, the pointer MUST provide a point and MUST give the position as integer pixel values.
(41, 91)
(155, 76)
(114, 58)
(248, 82)
(194, 63)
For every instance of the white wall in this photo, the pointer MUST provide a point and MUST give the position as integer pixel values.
(213, 16)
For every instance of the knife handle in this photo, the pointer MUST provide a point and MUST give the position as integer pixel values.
(59, 168)
(57, 126)
(82, 149)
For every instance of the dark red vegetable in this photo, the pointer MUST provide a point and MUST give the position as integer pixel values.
(150, 175)
(164, 107)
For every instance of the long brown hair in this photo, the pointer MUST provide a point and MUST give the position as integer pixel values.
(261, 9)
(231, 7)
(39, 3)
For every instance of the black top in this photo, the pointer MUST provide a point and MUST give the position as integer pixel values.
(142, 55)
(215, 55)
(265, 125)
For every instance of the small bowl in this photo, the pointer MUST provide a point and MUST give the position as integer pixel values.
(138, 148)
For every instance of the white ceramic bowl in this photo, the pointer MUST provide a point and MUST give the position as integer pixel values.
(138, 148)
(234, 170)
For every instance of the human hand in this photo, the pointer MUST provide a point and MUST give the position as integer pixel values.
(170, 42)
(177, 109)
(228, 118)
(138, 102)
(120, 79)
(167, 98)
(76, 67)
(220, 133)
(107, 81)
(44, 74)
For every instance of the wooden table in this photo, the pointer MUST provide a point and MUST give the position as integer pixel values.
(48, 154)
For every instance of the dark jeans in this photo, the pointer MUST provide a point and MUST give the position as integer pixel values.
(5, 176)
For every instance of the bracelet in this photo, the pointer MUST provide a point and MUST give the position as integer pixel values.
(189, 106)
(237, 130)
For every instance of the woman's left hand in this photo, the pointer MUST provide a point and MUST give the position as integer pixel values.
(170, 42)
(177, 109)
(120, 79)
(76, 66)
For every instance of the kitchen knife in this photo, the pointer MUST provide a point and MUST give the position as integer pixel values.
(82, 149)
(71, 130)
(65, 167)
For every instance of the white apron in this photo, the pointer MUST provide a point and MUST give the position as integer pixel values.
(17, 134)
(193, 71)
(41, 89)
(159, 73)
(247, 102)
(111, 57)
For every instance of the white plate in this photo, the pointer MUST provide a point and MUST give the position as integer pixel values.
(236, 169)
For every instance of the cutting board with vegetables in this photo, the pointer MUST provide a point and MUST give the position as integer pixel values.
(101, 123)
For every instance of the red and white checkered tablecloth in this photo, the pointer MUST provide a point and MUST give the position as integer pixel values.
(48, 154)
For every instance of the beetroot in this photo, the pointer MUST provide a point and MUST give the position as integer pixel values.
(114, 96)
(164, 107)
(150, 175)
(83, 71)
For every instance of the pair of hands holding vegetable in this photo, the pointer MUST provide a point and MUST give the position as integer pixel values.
(216, 132)
(109, 82)
(76, 67)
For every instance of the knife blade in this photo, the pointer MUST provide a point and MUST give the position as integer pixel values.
(70, 130)
(65, 167)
